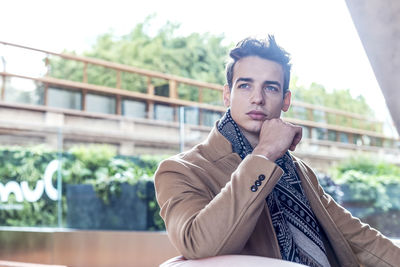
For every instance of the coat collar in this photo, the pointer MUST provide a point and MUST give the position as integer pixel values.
(218, 147)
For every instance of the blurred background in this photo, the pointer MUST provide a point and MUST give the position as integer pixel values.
(94, 94)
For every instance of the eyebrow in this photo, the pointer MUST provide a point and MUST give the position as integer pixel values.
(265, 82)
(244, 80)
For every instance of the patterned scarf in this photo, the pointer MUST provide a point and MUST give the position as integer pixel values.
(295, 225)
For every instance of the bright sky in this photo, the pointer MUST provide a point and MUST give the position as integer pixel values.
(319, 34)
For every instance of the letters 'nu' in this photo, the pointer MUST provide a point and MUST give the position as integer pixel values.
(22, 190)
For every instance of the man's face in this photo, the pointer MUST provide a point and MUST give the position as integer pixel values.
(256, 94)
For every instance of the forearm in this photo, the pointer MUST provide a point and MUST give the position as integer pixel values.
(202, 225)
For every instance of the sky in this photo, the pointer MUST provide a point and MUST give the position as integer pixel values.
(319, 34)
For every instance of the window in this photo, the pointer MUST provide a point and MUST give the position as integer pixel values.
(357, 139)
(163, 112)
(100, 104)
(332, 135)
(62, 98)
(131, 108)
(319, 133)
(210, 117)
(191, 115)
(24, 91)
(344, 138)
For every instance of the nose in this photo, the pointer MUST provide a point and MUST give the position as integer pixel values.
(257, 97)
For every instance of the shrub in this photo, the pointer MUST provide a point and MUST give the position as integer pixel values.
(371, 190)
(97, 165)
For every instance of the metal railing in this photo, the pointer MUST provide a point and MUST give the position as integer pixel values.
(319, 122)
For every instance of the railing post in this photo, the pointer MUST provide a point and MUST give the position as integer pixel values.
(47, 65)
(45, 94)
(85, 78)
(118, 105)
(310, 114)
(118, 79)
(173, 94)
(3, 86)
(83, 103)
(200, 94)
(349, 121)
(150, 103)
(351, 138)
(46, 86)
(172, 89)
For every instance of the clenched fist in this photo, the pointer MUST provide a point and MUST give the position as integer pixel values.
(276, 137)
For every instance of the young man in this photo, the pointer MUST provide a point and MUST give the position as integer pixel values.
(242, 192)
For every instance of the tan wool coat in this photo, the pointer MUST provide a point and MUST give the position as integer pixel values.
(209, 209)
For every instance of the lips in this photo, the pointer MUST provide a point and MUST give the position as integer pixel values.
(257, 115)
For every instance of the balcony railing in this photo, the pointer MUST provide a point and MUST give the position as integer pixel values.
(131, 91)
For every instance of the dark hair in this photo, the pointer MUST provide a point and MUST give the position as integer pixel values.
(263, 48)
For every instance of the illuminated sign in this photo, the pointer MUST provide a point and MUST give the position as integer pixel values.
(23, 192)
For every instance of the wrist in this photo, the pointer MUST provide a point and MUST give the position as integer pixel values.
(265, 153)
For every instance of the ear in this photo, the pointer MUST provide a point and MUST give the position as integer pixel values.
(286, 101)
(227, 96)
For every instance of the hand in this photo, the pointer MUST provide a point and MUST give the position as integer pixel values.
(276, 137)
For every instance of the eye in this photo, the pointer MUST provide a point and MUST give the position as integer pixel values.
(244, 86)
(271, 88)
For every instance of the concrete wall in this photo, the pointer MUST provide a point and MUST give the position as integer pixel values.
(378, 26)
(27, 125)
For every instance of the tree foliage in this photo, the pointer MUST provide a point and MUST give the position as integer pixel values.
(197, 56)
(341, 99)
(338, 99)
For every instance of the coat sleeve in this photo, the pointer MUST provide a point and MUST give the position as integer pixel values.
(202, 224)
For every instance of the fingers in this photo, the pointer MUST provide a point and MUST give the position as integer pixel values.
(276, 137)
(297, 137)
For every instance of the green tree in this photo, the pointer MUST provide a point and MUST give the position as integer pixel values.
(338, 99)
(197, 56)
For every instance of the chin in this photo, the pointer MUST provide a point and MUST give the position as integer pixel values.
(253, 128)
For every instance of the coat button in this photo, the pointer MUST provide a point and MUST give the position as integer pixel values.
(261, 177)
(253, 188)
(257, 183)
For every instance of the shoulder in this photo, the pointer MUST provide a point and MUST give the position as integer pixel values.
(202, 156)
(195, 172)
(190, 166)
(183, 162)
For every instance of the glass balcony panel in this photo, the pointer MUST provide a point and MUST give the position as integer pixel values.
(23, 91)
(135, 109)
(62, 98)
(210, 117)
(100, 104)
(163, 112)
